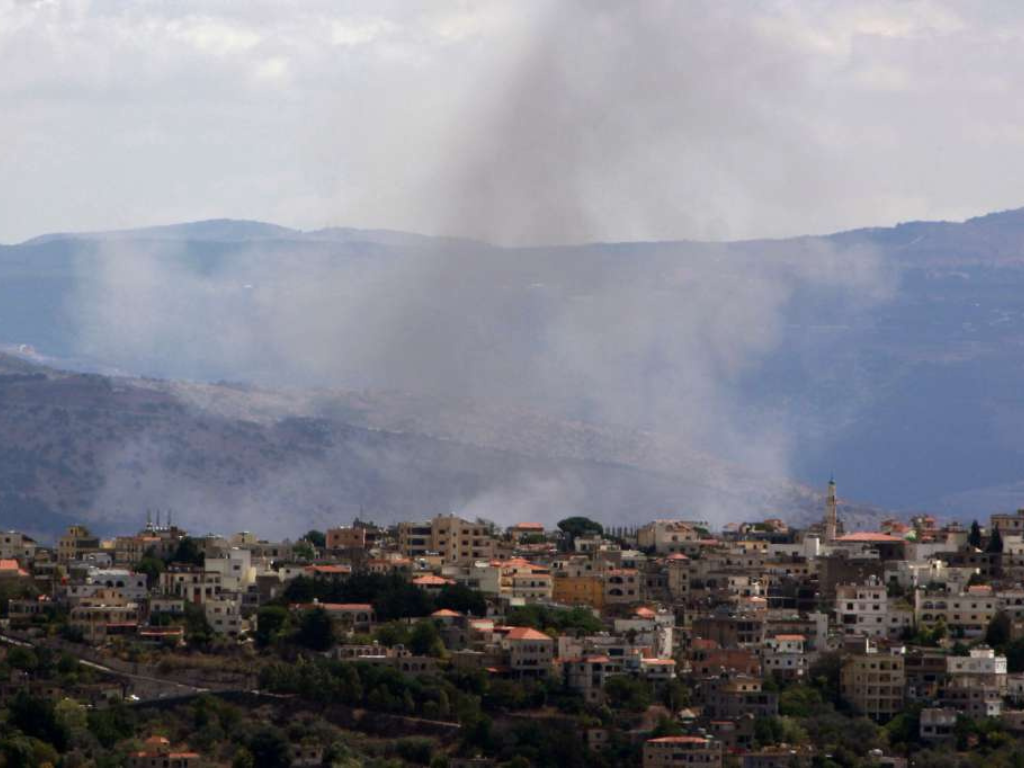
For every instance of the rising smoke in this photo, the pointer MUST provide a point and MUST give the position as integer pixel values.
(606, 98)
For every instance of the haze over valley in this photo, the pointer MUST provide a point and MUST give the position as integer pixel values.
(723, 381)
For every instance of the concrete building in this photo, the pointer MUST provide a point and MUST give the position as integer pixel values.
(865, 609)
(965, 615)
(873, 683)
(666, 537)
(937, 723)
(455, 539)
(673, 751)
(530, 653)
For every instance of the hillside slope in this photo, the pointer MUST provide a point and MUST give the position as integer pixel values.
(85, 447)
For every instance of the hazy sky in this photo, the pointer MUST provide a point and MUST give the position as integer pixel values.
(581, 120)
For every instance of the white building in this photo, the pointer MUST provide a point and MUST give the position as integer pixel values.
(224, 615)
(865, 609)
(235, 568)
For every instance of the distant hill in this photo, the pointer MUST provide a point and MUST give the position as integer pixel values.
(912, 398)
(101, 450)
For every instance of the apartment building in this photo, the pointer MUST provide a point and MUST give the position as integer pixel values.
(1008, 524)
(224, 615)
(673, 751)
(965, 615)
(873, 683)
(192, 583)
(17, 546)
(668, 536)
(983, 667)
(77, 541)
(104, 614)
(530, 653)
(865, 609)
(455, 539)
(622, 586)
(784, 656)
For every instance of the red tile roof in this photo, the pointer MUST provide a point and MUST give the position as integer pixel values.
(869, 537)
(526, 633)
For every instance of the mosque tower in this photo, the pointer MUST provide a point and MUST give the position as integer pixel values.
(832, 530)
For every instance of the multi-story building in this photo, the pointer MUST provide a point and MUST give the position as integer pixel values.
(981, 668)
(483, 576)
(964, 615)
(193, 583)
(588, 675)
(77, 541)
(455, 539)
(937, 723)
(17, 546)
(865, 609)
(668, 536)
(530, 653)
(235, 567)
(1008, 524)
(674, 751)
(734, 695)
(104, 614)
(523, 580)
(224, 615)
(622, 586)
(873, 683)
(784, 656)
(133, 586)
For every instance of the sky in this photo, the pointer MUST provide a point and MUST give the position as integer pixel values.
(534, 121)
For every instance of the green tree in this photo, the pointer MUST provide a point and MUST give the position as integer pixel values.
(316, 630)
(800, 701)
(152, 567)
(188, 552)
(425, 640)
(37, 717)
(1015, 656)
(627, 693)
(271, 621)
(459, 597)
(269, 748)
(974, 537)
(995, 542)
(997, 635)
(316, 538)
(197, 629)
(393, 633)
(578, 527)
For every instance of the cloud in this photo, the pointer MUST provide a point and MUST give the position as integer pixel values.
(346, 113)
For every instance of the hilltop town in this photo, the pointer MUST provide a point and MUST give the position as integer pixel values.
(455, 642)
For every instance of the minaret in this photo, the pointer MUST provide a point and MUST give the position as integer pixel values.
(831, 517)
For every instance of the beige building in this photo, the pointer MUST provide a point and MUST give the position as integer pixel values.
(77, 541)
(455, 539)
(965, 615)
(873, 683)
(667, 536)
(104, 614)
(1008, 524)
(622, 586)
(17, 546)
(672, 751)
(224, 615)
(194, 584)
(530, 653)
